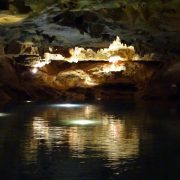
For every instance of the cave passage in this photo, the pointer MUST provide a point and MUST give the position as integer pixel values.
(4, 5)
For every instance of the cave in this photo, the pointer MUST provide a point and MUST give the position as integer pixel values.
(89, 89)
(62, 46)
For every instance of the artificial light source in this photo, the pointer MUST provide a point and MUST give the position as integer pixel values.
(34, 70)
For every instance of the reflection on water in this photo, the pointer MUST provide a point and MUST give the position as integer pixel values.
(86, 141)
(85, 128)
(66, 105)
(3, 114)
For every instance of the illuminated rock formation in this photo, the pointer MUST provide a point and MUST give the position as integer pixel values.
(114, 51)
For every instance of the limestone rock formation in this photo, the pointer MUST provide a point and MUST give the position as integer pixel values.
(66, 50)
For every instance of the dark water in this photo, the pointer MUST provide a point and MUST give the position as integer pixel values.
(86, 141)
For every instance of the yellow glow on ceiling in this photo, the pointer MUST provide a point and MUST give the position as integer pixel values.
(10, 19)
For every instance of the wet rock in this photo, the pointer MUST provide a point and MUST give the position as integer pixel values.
(8, 73)
(87, 81)
(53, 26)
(27, 59)
(13, 48)
(4, 97)
(1, 49)
(150, 27)
(18, 6)
(17, 47)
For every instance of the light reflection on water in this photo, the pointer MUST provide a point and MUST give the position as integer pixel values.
(86, 141)
(101, 133)
(3, 114)
(66, 105)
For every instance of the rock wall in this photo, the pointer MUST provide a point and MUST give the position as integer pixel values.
(86, 81)
(151, 27)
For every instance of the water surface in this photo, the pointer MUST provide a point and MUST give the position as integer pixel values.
(89, 141)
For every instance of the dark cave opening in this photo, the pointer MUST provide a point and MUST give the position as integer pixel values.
(4, 5)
